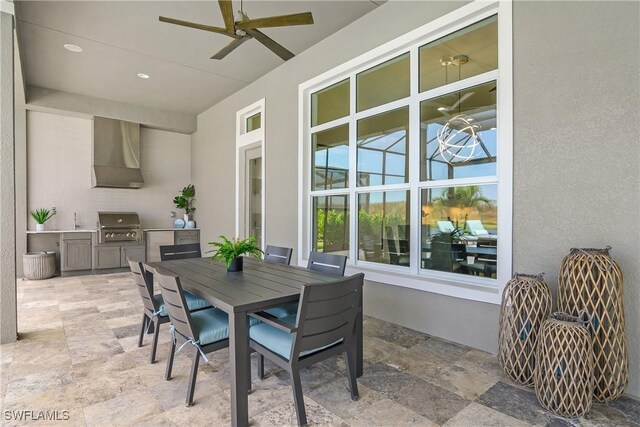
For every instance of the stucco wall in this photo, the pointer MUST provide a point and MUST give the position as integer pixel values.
(60, 146)
(575, 151)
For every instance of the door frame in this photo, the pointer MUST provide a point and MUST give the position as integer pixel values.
(246, 141)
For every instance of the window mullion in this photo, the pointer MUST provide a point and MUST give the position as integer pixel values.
(413, 150)
(353, 176)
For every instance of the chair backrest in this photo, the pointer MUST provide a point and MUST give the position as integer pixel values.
(326, 314)
(446, 226)
(144, 282)
(327, 263)
(476, 227)
(278, 255)
(171, 252)
(174, 302)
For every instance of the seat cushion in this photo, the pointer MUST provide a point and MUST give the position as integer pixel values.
(283, 311)
(277, 340)
(193, 303)
(211, 325)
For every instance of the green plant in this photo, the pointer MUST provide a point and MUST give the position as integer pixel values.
(41, 215)
(185, 199)
(229, 249)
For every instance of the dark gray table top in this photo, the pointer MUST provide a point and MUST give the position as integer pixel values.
(259, 286)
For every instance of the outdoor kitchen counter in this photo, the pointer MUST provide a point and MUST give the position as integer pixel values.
(60, 231)
(170, 229)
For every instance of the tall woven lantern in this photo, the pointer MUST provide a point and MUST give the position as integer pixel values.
(564, 371)
(526, 302)
(591, 280)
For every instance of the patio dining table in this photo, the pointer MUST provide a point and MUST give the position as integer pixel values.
(259, 287)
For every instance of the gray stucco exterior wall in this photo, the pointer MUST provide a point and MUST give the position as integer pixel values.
(576, 152)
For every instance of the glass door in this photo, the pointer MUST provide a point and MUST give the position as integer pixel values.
(253, 195)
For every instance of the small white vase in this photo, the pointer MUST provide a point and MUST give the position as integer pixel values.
(187, 218)
(39, 227)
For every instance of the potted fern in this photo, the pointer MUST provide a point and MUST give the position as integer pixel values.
(41, 216)
(185, 201)
(230, 252)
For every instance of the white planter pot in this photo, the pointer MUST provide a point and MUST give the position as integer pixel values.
(39, 227)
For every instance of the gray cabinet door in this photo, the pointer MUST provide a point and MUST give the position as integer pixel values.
(76, 255)
(135, 253)
(185, 237)
(106, 257)
(155, 239)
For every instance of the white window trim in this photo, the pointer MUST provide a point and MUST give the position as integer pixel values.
(247, 141)
(460, 286)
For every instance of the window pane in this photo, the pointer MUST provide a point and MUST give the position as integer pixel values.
(384, 83)
(331, 158)
(458, 230)
(465, 53)
(383, 227)
(382, 148)
(331, 224)
(468, 146)
(330, 103)
(253, 122)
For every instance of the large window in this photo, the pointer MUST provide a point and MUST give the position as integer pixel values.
(404, 156)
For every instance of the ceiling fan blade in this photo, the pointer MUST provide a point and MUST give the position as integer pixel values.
(277, 21)
(461, 100)
(227, 14)
(230, 47)
(271, 44)
(203, 27)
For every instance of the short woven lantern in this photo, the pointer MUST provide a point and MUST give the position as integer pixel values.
(591, 280)
(564, 371)
(526, 302)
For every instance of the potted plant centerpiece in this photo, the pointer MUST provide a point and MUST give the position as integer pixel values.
(231, 250)
(41, 216)
(185, 201)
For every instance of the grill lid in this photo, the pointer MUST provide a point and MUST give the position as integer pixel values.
(118, 220)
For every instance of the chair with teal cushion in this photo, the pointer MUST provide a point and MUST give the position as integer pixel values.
(322, 328)
(154, 313)
(206, 330)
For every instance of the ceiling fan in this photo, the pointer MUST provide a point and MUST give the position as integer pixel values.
(244, 28)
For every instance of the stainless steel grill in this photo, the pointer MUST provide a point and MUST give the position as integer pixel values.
(116, 227)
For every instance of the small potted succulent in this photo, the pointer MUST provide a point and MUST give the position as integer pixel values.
(41, 216)
(230, 252)
(185, 201)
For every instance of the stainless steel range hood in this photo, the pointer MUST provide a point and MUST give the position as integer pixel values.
(116, 154)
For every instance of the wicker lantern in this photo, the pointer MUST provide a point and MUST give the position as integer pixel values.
(590, 280)
(564, 371)
(526, 302)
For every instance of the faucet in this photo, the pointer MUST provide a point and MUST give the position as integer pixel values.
(75, 221)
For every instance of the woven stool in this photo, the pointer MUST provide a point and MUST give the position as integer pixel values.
(526, 302)
(591, 280)
(564, 371)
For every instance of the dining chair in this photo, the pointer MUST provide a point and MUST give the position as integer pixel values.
(322, 328)
(173, 252)
(206, 330)
(327, 263)
(154, 310)
(278, 255)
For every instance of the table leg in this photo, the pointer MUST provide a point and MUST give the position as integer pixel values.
(359, 340)
(239, 367)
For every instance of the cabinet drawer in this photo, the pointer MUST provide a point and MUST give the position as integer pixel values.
(184, 237)
(106, 257)
(76, 236)
(135, 253)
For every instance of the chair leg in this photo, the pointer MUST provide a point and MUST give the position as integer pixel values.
(192, 378)
(260, 366)
(154, 348)
(142, 329)
(297, 396)
(350, 362)
(167, 375)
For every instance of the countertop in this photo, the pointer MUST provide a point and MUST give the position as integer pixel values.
(60, 231)
(169, 229)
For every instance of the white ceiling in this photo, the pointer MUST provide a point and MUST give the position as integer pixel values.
(123, 38)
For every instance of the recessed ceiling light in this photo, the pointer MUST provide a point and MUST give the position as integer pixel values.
(143, 75)
(73, 48)
(442, 108)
